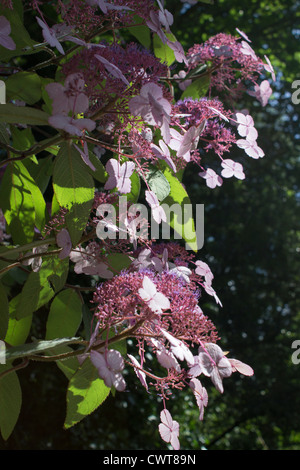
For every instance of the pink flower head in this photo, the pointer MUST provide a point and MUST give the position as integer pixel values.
(212, 363)
(151, 105)
(211, 177)
(247, 50)
(178, 348)
(138, 370)
(110, 365)
(85, 155)
(165, 357)
(200, 394)
(251, 148)
(119, 175)
(105, 6)
(246, 126)
(113, 69)
(262, 92)
(87, 261)
(50, 36)
(157, 211)
(70, 125)
(162, 152)
(70, 96)
(190, 140)
(231, 168)
(244, 35)
(241, 367)
(165, 17)
(269, 68)
(169, 429)
(178, 51)
(156, 301)
(5, 30)
(204, 270)
(63, 240)
(36, 262)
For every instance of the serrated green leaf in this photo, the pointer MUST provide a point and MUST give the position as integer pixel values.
(12, 114)
(41, 286)
(24, 86)
(18, 330)
(4, 312)
(141, 32)
(162, 51)
(86, 392)
(181, 220)
(197, 89)
(158, 183)
(38, 201)
(17, 204)
(65, 315)
(38, 347)
(10, 402)
(74, 189)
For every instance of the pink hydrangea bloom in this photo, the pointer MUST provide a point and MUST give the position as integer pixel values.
(63, 240)
(200, 394)
(169, 429)
(154, 299)
(151, 105)
(5, 30)
(212, 363)
(110, 364)
(162, 152)
(70, 96)
(262, 92)
(251, 148)
(245, 126)
(70, 125)
(231, 168)
(50, 35)
(212, 178)
(158, 212)
(119, 175)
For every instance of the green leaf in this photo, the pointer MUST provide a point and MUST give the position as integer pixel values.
(158, 183)
(12, 114)
(40, 170)
(181, 220)
(197, 89)
(135, 188)
(37, 197)
(17, 204)
(4, 313)
(4, 135)
(86, 392)
(18, 32)
(18, 330)
(141, 32)
(162, 51)
(65, 315)
(74, 189)
(41, 286)
(10, 402)
(38, 347)
(118, 261)
(24, 86)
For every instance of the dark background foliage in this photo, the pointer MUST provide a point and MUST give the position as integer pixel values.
(252, 245)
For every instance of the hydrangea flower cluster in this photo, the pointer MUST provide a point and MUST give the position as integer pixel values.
(116, 97)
